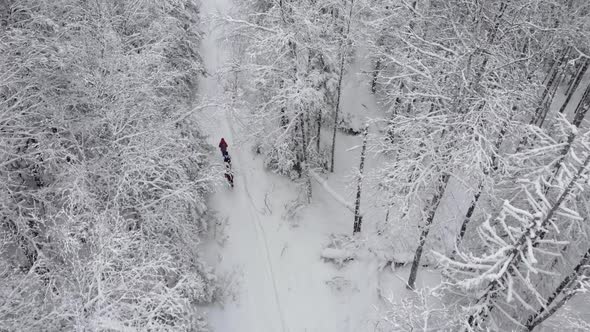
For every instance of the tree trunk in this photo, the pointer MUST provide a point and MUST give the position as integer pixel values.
(574, 85)
(305, 166)
(468, 215)
(557, 306)
(547, 104)
(318, 138)
(515, 259)
(542, 314)
(375, 75)
(358, 218)
(556, 69)
(282, 11)
(581, 111)
(339, 90)
(493, 166)
(491, 39)
(582, 107)
(542, 110)
(426, 229)
(578, 118)
(284, 119)
(308, 130)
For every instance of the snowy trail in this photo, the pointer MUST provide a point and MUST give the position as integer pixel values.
(261, 234)
(247, 247)
(271, 265)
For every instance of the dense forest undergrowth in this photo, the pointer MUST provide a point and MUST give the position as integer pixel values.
(104, 172)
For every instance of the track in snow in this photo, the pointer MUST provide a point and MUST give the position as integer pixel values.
(247, 247)
(260, 233)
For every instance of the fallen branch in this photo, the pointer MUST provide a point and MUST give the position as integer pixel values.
(331, 191)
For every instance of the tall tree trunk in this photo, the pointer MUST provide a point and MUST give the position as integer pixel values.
(573, 291)
(543, 108)
(308, 130)
(468, 215)
(578, 118)
(542, 314)
(377, 69)
(491, 291)
(574, 85)
(426, 229)
(491, 39)
(580, 114)
(281, 5)
(556, 70)
(582, 107)
(284, 119)
(358, 218)
(493, 167)
(547, 104)
(319, 133)
(305, 165)
(375, 75)
(339, 91)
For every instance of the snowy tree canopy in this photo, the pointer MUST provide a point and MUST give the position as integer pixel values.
(103, 170)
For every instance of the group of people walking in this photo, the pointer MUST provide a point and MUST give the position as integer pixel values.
(227, 161)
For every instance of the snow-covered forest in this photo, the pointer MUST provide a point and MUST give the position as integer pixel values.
(104, 170)
(385, 165)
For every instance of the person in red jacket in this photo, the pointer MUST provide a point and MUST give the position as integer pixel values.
(223, 147)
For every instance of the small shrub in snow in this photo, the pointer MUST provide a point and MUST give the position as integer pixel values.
(423, 310)
(291, 212)
(340, 250)
(339, 284)
(337, 256)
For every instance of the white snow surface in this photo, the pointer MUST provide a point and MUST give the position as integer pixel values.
(274, 276)
(271, 267)
(268, 250)
(339, 254)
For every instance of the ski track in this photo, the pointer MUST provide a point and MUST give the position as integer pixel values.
(260, 233)
(255, 276)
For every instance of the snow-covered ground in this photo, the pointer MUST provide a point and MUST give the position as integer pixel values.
(271, 265)
(245, 258)
(272, 272)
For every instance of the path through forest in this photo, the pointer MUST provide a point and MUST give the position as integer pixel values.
(273, 276)
(247, 240)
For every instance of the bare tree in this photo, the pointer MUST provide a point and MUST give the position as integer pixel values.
(344, 45)
(568, 288)
(358, 218)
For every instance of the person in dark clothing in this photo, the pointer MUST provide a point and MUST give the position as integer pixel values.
(229, 175)
(223, 147)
